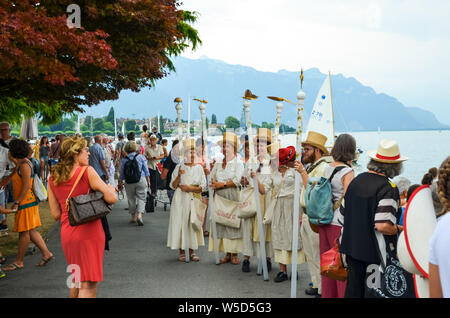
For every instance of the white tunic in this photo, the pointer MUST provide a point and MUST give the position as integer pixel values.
(180, 209)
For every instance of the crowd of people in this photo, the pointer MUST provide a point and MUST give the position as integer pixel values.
(371, 202)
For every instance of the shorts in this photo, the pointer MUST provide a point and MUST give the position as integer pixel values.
(45, 159)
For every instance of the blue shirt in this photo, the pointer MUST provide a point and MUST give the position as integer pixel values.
(142, 162)
(95, 155)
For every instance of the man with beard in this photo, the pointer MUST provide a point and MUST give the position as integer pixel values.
(314, 153)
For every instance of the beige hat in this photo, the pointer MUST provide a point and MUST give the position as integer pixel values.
(317, 140)
(388, 152)
(264, 134)
(188, 144)
(229, 137)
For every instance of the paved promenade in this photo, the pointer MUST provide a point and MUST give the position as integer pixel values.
(139, 265)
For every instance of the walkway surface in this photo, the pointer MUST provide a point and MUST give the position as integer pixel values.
(139, 265)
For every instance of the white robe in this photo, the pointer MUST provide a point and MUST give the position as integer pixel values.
(180, 210)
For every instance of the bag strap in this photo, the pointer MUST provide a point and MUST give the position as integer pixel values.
(336, 170)
(75, 184)
(311, 168)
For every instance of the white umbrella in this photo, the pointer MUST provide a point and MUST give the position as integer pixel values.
(29, 130)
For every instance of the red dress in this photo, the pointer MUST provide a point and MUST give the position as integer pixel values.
(83, 245)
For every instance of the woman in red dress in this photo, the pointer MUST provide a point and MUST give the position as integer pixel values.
(83, 245)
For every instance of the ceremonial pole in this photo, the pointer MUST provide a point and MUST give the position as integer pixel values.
(210, 212)
(115, 125)
(253, 164)
(179, 107)
(297, 189)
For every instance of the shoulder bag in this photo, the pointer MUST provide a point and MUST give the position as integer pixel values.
(87, 207)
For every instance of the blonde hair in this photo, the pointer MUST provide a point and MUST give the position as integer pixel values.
(70, 147)
(443, 186)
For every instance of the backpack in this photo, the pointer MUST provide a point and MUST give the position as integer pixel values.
(131, 170)
(38, 188)
(319, 199)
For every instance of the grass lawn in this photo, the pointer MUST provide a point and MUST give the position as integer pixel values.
(8, 244)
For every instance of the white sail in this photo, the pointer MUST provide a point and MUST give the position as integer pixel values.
(322, 119)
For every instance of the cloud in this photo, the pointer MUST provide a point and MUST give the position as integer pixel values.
(400, 47)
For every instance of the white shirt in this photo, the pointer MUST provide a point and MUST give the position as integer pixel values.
(192, 176)
(233, 171)
(439, 252)
(283, 185)
(5, 162)
(263, 176)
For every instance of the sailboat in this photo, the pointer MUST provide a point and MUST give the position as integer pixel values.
(322, 116)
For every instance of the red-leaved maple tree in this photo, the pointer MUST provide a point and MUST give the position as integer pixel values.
(48, 68)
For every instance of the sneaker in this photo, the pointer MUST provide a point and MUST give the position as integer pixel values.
(269, 266)
(2, 273)
(140, 222)
(3, 227)
(311, 291)
(246, 266)
(281, 277)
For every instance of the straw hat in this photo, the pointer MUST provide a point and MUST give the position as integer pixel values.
(188, 144)
(229, 137)
(152, 136)
(388, 152)
(264, 134)
(317, 140)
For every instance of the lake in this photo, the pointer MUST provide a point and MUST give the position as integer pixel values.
(425, 148)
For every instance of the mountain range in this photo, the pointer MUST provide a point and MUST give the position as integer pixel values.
(356, 107)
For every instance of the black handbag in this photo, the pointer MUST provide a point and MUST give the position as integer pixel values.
(150, 203)
(394, 281)
(87, 207)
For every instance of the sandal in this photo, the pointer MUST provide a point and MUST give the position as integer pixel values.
(194, 257)
(235, 260)
(12, 267)
(44, 261)
(227, 259)
(182, 258)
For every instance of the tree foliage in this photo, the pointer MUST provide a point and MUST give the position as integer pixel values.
(213, 119)
(232, 122)
(49, 69)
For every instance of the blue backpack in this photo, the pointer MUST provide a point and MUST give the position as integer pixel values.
(319, 199)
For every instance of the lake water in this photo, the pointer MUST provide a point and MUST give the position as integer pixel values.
(425, 149)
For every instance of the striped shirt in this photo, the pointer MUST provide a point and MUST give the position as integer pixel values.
(370, 199)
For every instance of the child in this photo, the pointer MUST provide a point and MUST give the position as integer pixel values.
(164, 143)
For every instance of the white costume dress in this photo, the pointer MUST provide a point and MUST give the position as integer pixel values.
(229, 239)
(282, 221)
(180, 209)
(250, 226)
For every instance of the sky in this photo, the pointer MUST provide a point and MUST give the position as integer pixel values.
(397, 47)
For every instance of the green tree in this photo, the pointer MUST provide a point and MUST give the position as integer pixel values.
(110, 117)
(130, 125)
(67, 124)
(267, 125)
(87, 121)
(213, 119)
(108, 126)
(98, 124)
(232, 122)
